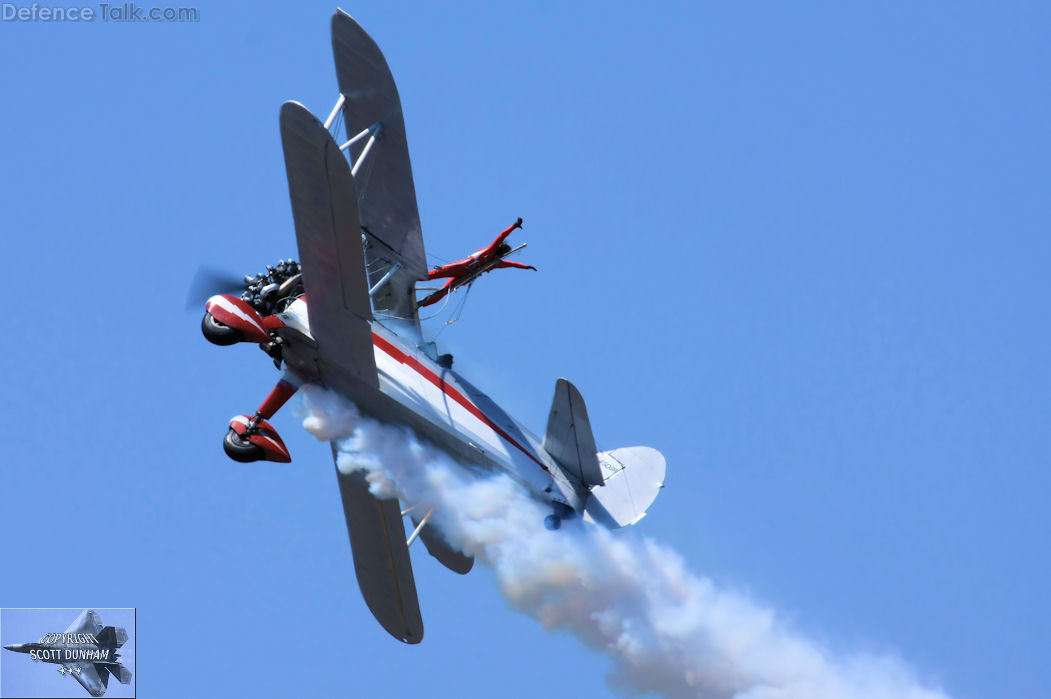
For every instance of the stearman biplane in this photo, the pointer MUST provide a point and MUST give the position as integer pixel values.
(345, 317)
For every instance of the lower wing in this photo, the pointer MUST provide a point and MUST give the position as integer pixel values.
(381, 557)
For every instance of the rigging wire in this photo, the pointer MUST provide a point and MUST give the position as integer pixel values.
(457, 313)
(441, 308)
(336, 123)
(364, 175)
(395, 316)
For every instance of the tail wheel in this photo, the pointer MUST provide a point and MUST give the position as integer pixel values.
(218, 333)
(240, 449)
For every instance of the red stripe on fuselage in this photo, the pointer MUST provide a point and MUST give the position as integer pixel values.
(448, 390)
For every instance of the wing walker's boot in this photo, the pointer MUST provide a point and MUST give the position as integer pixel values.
(255, 439)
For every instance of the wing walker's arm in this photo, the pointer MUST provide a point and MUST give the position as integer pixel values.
(516, 265)
(503, 235)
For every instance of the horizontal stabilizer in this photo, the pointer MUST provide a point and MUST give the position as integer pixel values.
(634, 476)
(569, 440)
(121, 673)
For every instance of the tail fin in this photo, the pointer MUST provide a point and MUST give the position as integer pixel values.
(633, 477)
(569, 440)
(112, 636)
(619, 484)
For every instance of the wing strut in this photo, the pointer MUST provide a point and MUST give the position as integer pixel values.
(335, 111)
(360, 135)
(436, 545)
(383, 280)
(375, 128)
(419, 527)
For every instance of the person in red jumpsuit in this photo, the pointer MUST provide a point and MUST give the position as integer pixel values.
(481, 260)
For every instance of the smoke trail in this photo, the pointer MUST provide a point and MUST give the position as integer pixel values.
(666, 629)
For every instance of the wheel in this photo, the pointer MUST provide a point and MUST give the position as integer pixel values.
(552, 522)
(217, 333)
(241, 449)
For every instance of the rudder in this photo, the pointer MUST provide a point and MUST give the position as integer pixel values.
(568, 439)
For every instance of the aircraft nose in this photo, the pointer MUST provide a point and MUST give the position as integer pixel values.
(17, 647)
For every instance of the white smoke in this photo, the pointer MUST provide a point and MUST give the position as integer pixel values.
(666, 629)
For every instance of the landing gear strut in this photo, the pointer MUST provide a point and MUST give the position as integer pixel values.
(253, 438)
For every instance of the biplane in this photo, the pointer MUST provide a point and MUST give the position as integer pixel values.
(345, 317)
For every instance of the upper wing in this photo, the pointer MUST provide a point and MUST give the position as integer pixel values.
(87, 622)
(324, 207)
(381, 557)
(90, 678)
(386, 193)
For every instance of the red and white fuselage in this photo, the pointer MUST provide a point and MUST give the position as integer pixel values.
(450, 412)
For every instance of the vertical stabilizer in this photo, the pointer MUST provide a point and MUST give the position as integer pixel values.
(569, 440)
(112, 636)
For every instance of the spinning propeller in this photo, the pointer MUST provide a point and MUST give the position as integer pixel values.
(209, 281)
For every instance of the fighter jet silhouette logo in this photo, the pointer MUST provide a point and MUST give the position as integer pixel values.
(86, 651)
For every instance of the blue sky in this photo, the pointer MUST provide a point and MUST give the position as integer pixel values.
(20, 676)
(799, 248)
